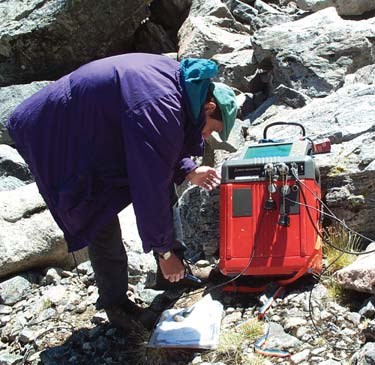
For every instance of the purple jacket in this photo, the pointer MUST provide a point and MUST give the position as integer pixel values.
(114, 131)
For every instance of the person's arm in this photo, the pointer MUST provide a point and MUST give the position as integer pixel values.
(204, 176)
(153, 140)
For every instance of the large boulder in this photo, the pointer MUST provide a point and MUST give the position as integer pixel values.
(29, 237)
(14, 171)
(313, 54)
(42, 40)
(10, 97)
(344, 7)
(360, 275)
(236, 68)
(159, 33)
(211, 29)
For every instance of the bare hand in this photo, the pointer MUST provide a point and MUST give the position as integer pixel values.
(172, 268)
(204, 176)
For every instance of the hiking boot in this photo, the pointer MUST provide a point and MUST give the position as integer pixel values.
(125, 314)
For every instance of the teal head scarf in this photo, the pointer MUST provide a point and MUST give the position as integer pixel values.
(227, 102)
(196, 74)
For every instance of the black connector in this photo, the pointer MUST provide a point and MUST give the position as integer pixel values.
(269, 204)
(284, 220)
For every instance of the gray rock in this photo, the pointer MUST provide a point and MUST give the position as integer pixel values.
(5, 309)
(10, 183)
(77, 33)
(353, 317)
(139, 262)
(360, 275)
(55, 294)
(27, 335)
(170, 13)
(366, 356)
(368, 308)
(10, 359)
(209, 31)
(153, 38)
(200, 220)
(52, 276)
(29, 237)
(13, 328)
(330, 362)
(13, 290)
(313, 54)
(85, 268)
(10, 97)
(12, 164)
(290, 97)
(369, 331)
(243, 12)
(245, 103)
(299, 357)
(281, 340)
(348, 113)
(344, 7)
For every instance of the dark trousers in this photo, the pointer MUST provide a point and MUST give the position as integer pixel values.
(110, 261)
(110, 264)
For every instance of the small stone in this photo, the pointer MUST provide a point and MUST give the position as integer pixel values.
(10, 359)
(56, 294)
(301, 332)
(230, 310)
(368, 308)
(197, 360)
(353, 317)
(81, 308)
(13, 290)
(294, 322)
(318, 350)
(202, 263)
(348, 332)
(99, 318)
(52, 277)
(5, 309)
(299, 357)
(232, 318)
(4, 320)
(276, 318)
(27, 335)
(85, 268)
(66, 274)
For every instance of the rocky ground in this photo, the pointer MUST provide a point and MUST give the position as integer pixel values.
(50, 318)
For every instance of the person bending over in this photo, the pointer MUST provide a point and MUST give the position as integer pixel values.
(116, 131)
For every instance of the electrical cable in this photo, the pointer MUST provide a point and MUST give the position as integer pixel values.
(76, 265)
(232, 279)
(318, 277)
(310, 308)
(210, 290)
(326, 206)
(357, 253)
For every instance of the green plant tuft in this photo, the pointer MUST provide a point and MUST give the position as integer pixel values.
(235, 345)
(344, 239)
